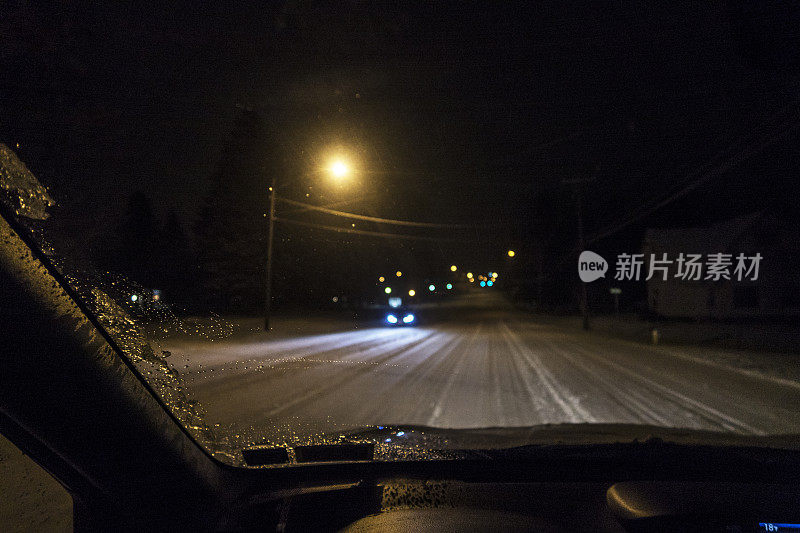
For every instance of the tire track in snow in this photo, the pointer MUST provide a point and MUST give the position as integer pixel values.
(718, 417)
(631, 400)
(382, 352)
(419, 365)
(445, 391)
(560, 394)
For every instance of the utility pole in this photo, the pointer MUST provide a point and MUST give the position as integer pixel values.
(270, 231)
(577, 190)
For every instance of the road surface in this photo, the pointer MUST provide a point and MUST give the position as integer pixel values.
(479, 363)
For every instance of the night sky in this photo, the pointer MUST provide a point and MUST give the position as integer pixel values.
(455, 112)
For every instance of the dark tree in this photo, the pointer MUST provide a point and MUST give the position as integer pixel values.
(175, 261)
(136, 250)
(230, 234)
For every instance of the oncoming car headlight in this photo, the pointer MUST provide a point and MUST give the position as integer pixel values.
(408, 319)
(391, 319)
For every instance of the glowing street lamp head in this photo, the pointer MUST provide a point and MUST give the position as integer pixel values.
(412, 292)
(453, 268)
(381, 279)
(388, 290)
(511, 253)
(398, 273)
(339, 169)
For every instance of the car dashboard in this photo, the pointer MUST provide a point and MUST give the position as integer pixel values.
(435, 505)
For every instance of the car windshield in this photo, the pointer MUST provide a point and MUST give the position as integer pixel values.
(308, 221)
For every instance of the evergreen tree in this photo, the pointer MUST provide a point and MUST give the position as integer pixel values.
(175, 274)
(135, 252)
(230, 235)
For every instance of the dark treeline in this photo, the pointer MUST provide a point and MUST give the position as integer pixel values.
(215, 258)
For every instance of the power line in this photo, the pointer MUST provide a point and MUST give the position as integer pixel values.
(375, 219)
(733, 160)
(329, 206)
(706, 171)
(368, 233)
(713, 173)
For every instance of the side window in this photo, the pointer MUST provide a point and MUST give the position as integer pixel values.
(30, 499)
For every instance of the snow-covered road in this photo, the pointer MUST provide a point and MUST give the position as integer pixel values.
(473, 366)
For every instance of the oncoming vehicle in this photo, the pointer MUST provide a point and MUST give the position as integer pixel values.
(399, 314)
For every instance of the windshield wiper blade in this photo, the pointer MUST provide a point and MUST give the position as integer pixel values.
(346, 451)
(319, 453)
(265, 455)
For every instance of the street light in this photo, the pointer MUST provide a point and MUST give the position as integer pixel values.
(398, 273)
(412, 292)
(453, 268)
(381, 279)
(388, 290)
(338, 169)
(511, 253)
